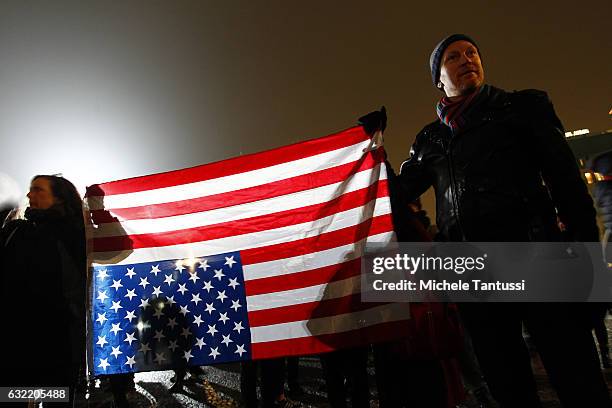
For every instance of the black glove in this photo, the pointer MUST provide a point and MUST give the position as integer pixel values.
(374, 121)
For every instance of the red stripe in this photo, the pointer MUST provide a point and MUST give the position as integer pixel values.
(318, 276)
(372, 226)
(232, 166)
(344, 202)
(310, 310)
(245, 195)
(330, 342)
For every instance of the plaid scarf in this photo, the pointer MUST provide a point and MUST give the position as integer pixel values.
(454, 113)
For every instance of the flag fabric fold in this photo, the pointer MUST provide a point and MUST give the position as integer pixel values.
(248, 258)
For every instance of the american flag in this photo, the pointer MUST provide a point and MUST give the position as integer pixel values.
(252, 257)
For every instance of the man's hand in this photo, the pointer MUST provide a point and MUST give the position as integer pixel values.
(374, 121)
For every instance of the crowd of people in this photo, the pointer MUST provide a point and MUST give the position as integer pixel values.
(501, 171)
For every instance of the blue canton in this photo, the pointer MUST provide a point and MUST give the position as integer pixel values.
(168, 314)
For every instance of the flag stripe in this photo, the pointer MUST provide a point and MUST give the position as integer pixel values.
(246, 226)
(206, 248)
(258, 174)
(245, 195)
(320, 259)
(320, 195)
(317, 276)
(328, 342)
(372, 226)
(332, 324)
(310, 310)
(306, 294)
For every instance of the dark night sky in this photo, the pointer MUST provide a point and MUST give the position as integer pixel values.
(107, 90)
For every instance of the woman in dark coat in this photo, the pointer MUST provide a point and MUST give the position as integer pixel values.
(42, 282)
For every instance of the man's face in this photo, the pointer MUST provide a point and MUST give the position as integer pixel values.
(461, 70)
(40, 194)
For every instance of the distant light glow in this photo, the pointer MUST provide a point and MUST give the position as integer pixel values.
(10, 193)
(577, 132)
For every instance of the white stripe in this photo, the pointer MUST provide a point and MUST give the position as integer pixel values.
(291, 201)
(217, 246)
(306, 262)
(308, 294)
(332, 324)
(233, 182)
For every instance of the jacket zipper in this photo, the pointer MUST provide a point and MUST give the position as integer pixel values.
(453, 184)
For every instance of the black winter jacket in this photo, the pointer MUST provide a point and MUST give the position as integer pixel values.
(505, 176)
(42, 284)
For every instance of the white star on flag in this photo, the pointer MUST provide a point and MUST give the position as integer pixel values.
(155, 270)
(198, 320)
(182, 288)
(209, 308)
(144, 347)
(157, 291)
(116, 284)
(240, 349)
(130, 338)
(104, 363)
(193, 277)
(235, 305)
(186, 332)
(172, 322)
(229, 261)
(221, 296)
(187, 355)
(168, 279)
(160, 358)
(130, 273)
(238, 327)
(233, 282)
(159, 335)
(212, 330)
(219, 274)
(184, 310)
(101, 341)
(101, 318)
(144, 282)
(131, 361)
(226, 340)
(131, 293)
(200, 342)
(116, 305)
(116, 329)
(208, 286)
(102, 296)
(196, 298)
(204, 265)
(116, 352)
(223, 317)
(130, 315)
(214, 352)
(102, 274)
(144, 303)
